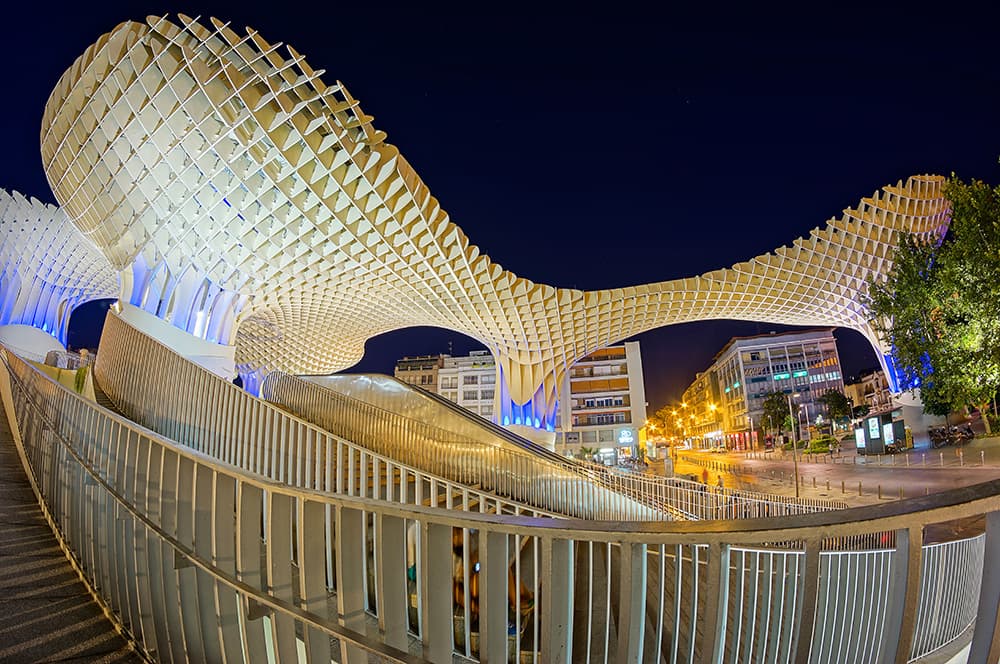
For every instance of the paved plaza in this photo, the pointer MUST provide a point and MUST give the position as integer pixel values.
(916, 472)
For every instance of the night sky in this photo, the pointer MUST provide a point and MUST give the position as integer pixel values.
(596, 148)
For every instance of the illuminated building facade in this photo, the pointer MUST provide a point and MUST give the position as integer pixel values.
(470, 381)
(699, 418)
(421, 371)
(871, 389)
(603, 404)
(728, 398)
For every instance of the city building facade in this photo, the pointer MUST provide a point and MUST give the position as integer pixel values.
(421, 370)
(470, 381)
(725, 403)
(699, 415)
(871, 389)
(602, 405)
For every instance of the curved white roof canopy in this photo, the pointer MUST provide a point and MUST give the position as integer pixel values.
(248, 202)
(47, 267)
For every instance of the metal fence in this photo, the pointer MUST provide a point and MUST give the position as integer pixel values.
(202, 561)
(491, 464)
(161, 390)
(437, 449)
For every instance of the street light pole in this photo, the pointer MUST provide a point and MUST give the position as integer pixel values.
(795, 459)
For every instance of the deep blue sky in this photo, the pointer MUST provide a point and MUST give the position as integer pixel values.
(605, 147)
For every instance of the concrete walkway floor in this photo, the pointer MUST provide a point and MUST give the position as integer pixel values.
(46, 613)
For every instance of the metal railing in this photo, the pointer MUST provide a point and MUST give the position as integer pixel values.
(485, 461)
(160, 390)
(363, 407)
(203, 561)
(65, 359)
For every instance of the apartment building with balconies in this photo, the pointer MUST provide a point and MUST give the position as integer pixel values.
(602, 404)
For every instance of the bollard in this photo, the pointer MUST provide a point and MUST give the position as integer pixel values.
(828, 485)
(859, 488)
(879, 457)
(900, 493)
(941, 458)
(907, 460)
(880, 492)
(843, 486)
(982, 457)
(923, 458)
(814, 481)
(927, 491)
(961, 457)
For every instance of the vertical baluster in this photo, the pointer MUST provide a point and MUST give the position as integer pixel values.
(436, 627)
(557, 601)
(278, 547)
(312, 576)
(204, 590)
(390, 582)
(350, 575)
(227, 600)
(168, 508)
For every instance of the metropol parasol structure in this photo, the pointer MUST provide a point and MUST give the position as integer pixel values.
(223, 192)
(251, 220)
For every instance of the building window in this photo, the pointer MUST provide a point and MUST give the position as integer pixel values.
(470, 395)
(470, 380)
(486, 394)
(486, 411)
(606, 436)
(488, 379)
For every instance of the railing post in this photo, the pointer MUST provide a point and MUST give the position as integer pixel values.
(631, 602)
(557, 601)
(986, 637)
(810, 585)
(493, 597)
(311, 546)
(717, 598)
(437, 626)
(279, 574)
(350, 578)
(390, 583)
(904, 596)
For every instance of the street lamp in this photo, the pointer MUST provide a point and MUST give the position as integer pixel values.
(808, 418)
(795, 459)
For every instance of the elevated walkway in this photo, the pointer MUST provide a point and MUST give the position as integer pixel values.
(46, 612)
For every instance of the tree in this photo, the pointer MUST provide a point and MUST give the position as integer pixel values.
(939, 307)
(776, 410)
(838, 406)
